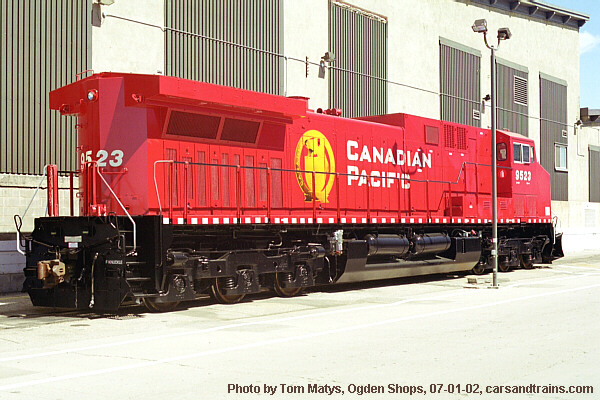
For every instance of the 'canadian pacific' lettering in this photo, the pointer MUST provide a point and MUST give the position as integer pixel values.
(383, 156)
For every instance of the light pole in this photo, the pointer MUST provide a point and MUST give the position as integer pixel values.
(480, 26)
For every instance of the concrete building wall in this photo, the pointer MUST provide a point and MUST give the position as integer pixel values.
(578, 218)
(123, 46)
(305, 35)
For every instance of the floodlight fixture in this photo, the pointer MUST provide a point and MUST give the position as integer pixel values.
(328, 57)
(504, 34)
(480, 26)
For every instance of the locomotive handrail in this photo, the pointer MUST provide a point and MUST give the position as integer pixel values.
(133, 251)
(156, 183)
(313, 173)
(325, 173)
(27, 209)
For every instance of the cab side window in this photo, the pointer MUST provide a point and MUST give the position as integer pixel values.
(525, 151)
(501, 151)
(517, 152)
(522, 153)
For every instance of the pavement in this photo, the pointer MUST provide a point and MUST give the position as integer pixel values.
(435, 337)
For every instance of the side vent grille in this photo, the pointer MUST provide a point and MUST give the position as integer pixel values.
(461, 136)
(455, 137)
(449, 137)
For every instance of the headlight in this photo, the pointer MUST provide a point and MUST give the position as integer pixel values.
(92, 95)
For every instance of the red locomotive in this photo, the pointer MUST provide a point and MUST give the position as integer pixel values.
(188, 188)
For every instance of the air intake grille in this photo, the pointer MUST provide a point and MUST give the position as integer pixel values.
(461, 138)
(238, 130)
(190, 124)
(449, 141)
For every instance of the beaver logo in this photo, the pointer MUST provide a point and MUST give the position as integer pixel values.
(314, 153)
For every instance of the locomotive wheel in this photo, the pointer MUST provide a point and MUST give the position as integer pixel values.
(217, 293)
(503, 268)
(153, 306)
(283, 291)
(479, 269)
(526, 261)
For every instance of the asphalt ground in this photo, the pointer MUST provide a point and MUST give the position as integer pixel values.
(432, 337)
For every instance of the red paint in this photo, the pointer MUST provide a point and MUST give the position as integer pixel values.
(139, 119)
(52, 189)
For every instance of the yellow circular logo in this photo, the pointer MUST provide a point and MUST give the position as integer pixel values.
(314, 153)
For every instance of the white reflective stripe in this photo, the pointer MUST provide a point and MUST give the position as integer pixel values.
(343, 220)
(205, 221)
(393, 220)
(180, 221)
(310, 220)
(247, 220)
(166, 221)
(331, 220)
(383, 220)
(257, 220)
(459, 220)
(445, 221)
(420, 220)
(478, 220)
(294, 220)
(364, 220)
(194, 221)
(285, 220)
(225, 220)
(215, 221)
(412, 220)
(353, 220)
(277, 220)
(319, 220)
(373, 220)
(501, 221)
(302, 220)
(403, 220)
(429, 220)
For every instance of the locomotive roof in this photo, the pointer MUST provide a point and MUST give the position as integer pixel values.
(167, 91)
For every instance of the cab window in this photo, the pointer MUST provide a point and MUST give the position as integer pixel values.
(522, 153)
(517, 152)
(501, 151)
(525, 154)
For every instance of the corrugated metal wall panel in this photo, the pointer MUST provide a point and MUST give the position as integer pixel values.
(511, 115)
(43, 45)
(594, 175)
(460, 85)
(359, 42)
(553, 120)
(252, 23)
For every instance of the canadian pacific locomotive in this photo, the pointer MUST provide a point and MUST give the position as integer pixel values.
(188, 188)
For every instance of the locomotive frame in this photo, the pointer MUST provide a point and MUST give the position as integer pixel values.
(242, 218)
